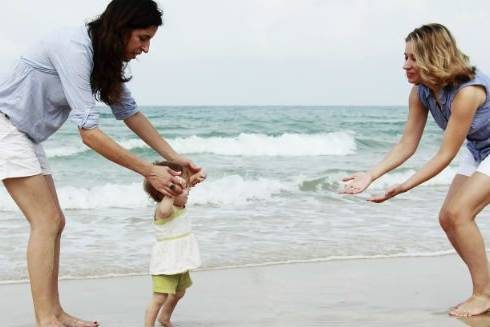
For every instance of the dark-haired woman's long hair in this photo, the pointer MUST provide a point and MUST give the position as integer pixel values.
(109, 34)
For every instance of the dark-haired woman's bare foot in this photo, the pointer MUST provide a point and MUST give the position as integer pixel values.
(50, 322)
(70, 321)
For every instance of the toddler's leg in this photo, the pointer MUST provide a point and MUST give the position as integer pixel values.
(153, 308)
(168, 308)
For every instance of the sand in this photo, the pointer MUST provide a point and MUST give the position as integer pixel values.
(364, 292)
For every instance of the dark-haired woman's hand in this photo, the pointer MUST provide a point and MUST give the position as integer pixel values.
(166, 180)
(198, 174)
(198, 177)
(356, 183)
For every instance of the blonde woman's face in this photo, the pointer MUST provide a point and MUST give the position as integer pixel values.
(410, 66)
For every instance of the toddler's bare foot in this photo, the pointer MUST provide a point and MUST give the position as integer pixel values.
(70, 321)
(165, 321)
(475, 305)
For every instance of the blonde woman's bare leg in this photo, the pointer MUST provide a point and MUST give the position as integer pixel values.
(455, 187)
(465, 200)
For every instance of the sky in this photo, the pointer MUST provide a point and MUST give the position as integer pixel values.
(267, 52)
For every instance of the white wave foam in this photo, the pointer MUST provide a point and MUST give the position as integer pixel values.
(227, 190)
(70, 150)
(65, 151)
(236, 190)
(104, 196)
(338, 143)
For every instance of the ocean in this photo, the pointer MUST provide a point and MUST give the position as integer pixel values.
(272, 193)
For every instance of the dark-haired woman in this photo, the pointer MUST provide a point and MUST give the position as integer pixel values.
(456, 94)
(62, 76)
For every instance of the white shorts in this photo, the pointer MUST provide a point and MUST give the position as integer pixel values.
(468, 165)
(19, 156)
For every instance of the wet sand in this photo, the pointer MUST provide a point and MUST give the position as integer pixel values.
(364, 292)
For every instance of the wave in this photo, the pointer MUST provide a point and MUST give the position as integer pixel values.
(333, 180)
(290, 145)
(65, 151)
(228, 190)
(338, 143)
(235, 190)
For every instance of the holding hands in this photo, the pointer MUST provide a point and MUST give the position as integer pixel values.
(166, 180)
(198, 174)
(169, 182)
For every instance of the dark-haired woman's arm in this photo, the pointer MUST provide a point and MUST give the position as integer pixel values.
(142, 127)
(160, 177)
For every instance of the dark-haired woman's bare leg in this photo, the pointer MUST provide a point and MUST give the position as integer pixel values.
(36, 197)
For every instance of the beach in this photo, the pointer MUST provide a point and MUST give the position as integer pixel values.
(279, 245)
(363, 292)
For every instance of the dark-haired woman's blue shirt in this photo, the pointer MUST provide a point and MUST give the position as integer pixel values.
(52, 82)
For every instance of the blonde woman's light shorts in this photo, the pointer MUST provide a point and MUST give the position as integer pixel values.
(468, 166)
(19, 156)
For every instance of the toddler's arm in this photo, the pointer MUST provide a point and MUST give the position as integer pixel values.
(165, 208)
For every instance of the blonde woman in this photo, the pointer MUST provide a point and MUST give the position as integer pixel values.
(455, 93)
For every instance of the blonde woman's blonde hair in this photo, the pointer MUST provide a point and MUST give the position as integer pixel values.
(440, 61)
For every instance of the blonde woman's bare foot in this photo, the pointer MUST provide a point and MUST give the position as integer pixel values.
(482, 320)
(475, 305)
(458, 305)
(70, 321)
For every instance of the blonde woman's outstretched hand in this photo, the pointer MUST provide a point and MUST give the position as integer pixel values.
(356, 183)
(389, 193)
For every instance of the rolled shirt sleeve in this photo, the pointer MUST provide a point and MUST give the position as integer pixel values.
(126, 106)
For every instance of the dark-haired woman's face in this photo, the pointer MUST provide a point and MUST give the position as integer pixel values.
(139, 41)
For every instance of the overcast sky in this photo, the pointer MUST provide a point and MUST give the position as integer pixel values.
(265, 52)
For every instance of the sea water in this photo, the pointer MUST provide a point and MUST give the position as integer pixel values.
(272, 193)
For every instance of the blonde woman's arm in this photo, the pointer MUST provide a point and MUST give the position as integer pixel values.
(465, 104)
(404, 149)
